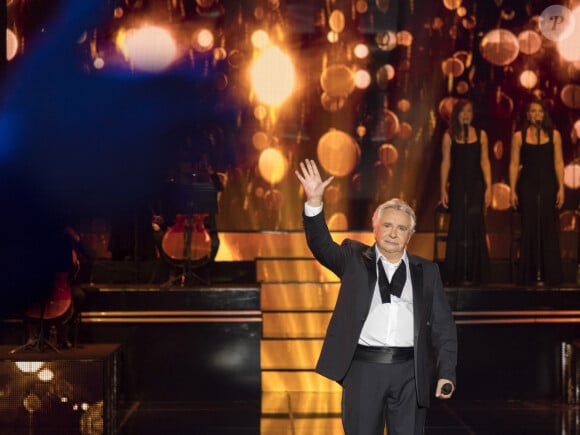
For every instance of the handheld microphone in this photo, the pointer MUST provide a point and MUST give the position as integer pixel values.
(446, 388)
(465, 131)
(538, 125)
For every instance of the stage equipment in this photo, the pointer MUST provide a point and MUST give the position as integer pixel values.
(192, 241)
(72, 392)
(58, 308)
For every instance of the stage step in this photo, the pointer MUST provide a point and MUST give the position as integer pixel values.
(301, 426)
(271, 270)
(290, 354)
(297, 381)
(298, 296)
(295, 325)
(282, 403)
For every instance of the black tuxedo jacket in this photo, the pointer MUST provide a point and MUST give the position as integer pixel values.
(435, 336)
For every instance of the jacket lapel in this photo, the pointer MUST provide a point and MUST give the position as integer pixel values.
(370, 260)
(417, 281)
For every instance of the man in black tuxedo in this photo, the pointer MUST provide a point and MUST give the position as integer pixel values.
(385, 333)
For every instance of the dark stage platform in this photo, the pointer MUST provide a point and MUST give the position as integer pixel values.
(222, 358)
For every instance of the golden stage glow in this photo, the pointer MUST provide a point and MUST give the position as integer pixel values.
(272, 165)
(149, 48)
(528, 79)
(203, 40)
(272, 76)
(29, 366)
(11, 44)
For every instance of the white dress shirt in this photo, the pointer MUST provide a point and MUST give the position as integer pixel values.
(389, 324)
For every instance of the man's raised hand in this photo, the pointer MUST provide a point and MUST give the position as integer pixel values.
(311, 182)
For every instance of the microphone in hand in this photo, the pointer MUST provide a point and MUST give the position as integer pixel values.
(446, 388)
(538, 125)
(465, 131)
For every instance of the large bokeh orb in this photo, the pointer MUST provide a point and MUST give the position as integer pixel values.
(337, 80)
(500, 196)
(499, 47)
(572, 175)
(570, 95)
(338, 153)
(388, 154)
(530, 42)
(272, 165)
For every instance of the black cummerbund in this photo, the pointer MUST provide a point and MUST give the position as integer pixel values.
(383, 355)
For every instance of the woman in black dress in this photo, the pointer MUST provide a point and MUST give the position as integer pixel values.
(466, 191)
(537, 191)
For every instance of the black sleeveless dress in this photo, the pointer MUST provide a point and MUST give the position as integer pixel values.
(466, 254)
(537, 188)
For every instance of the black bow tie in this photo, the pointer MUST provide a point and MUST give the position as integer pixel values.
(395, 287)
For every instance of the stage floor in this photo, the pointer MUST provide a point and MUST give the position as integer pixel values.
(454, 417)
(193, 359)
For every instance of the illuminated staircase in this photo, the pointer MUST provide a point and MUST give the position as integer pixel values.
(297, 299)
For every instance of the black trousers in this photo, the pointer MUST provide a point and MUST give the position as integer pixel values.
(376, 394)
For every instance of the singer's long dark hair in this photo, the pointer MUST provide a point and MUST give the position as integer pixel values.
(456, 126)
(547, 124)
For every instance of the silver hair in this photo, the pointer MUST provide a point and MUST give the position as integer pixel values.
(395, 204)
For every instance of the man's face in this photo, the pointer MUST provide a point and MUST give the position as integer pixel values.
(392, 233)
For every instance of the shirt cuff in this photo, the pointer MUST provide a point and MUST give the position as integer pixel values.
(311, 211)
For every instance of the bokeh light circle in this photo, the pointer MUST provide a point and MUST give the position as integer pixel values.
(572, 175)
(338, 222)
(260, 140)
(405, 130)
(332, 195)
(404, 105)
(11, 44)
(337, 21)
(446, 107)
(557, 23)
(332, 104)
(388, 154)
(528, 79)
(337, 80)
(500, 196)
(272, 165)
(570, 95)
(452, 4)
(149, 49)
(499, 47)
(361, 51)
(462, 87)
(384, 74)
(452, 66)
(387, 40)
(530, 42)
(362, 79)
(338, 153)
(498, 149)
